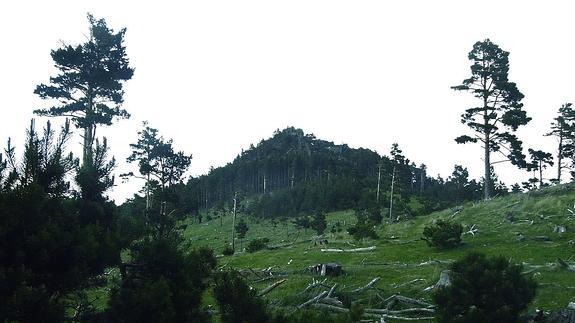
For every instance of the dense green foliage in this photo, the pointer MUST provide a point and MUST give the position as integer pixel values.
(443, 234)
(485, 290)
(318, 223)
(364, 227)
(162, 283)
(228, 250)
(257, 244)
(58, 240)
(238, 303)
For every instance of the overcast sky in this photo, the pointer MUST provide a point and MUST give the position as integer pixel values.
(219, 75)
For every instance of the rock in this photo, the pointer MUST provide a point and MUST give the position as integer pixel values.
(541, 238)
(520, 237)
(328, 269)
(561, 316)
(571, 306)
(559, 229)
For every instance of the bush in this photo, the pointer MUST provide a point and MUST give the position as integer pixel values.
(228, 251)
(484, 290)
(237, 301)
(362, 230)
(162, 284)
(318, 223)
(443, 234)
(257, 244)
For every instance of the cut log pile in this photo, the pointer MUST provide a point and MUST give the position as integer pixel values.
(396, 307)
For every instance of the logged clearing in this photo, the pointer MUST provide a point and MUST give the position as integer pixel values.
(536, 229)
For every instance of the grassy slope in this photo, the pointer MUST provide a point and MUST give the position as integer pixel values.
(400, 251)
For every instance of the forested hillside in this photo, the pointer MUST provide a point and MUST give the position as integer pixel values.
(294, 172)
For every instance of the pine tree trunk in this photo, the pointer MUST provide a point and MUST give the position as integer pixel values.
(487, 157)
(88, 143)
(391, 195)
(540, 175)
(378, 181)
(88, 130)
(234, 226)
(487, 144)
(422, 181)
(148, 193)
(559, 157)
(487, 179)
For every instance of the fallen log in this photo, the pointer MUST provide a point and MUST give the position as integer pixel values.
(331, 290)
(564, 265)
(314, 283)
(313, 300)
(331, 301)
(272, 286)
(368, 286)
(332, 308)
(435, 262)
(349, 250)
(399, 318)
(268, 278)
(407, 300)
(409, 282)
(395, 312)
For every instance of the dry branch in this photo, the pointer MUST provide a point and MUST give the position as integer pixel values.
(272, 286)
(350, 250)
(369, 285)
(399, 318)
(314, 283)
(407, 300)
(331, 301)
(392, 312)
(313, 300)
(410, 282)
(564, 265)
(331, 290)
(332, 308)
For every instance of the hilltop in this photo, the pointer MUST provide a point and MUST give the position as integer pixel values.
(294, 173)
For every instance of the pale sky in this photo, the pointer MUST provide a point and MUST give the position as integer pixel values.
(219, 75)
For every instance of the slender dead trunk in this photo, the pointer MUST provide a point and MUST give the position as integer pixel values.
(422, 180)
(234, 225)
(560, 156)
(540, 175)
(378, 181)
(391, 195)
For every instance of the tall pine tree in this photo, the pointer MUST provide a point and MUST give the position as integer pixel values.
(563, 128)
(500, 112)
(89, 86)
